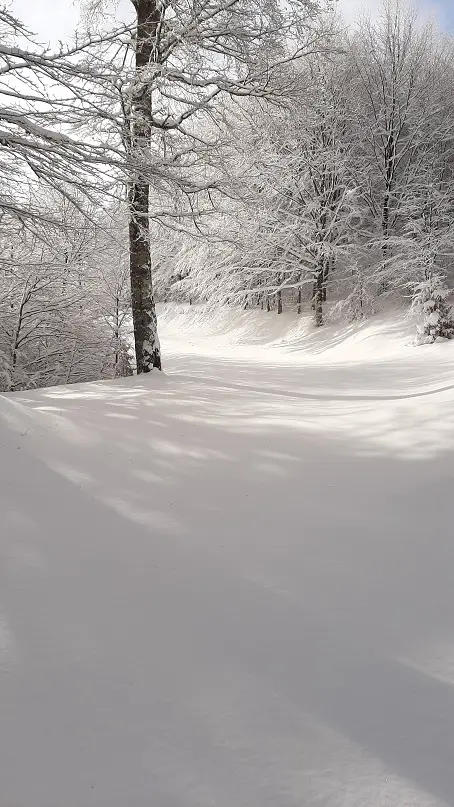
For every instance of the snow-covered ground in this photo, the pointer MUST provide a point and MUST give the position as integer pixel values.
(233, 585)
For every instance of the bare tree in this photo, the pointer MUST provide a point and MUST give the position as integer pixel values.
(394, 115)
(295, 201)
(161, 87)
(39, 89)
(64, 303)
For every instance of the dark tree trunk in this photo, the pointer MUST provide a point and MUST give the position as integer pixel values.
(17, 338)
(148, 352)
(117, 335)
(318, 295)
(390, 155)
(385, 232)
(299, 301)
(279, 302)
(329, 266)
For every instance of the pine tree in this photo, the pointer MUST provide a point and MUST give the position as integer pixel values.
(431, 302)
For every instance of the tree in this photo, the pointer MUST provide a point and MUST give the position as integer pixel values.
(401, 121)
(185, 58)
(38, 95)
(295, 203)
(148, 56)
(63, 306)
(431, 303)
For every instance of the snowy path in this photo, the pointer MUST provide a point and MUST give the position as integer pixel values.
(230, 587)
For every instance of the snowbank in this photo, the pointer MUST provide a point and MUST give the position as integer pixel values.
(208, 328)
(232, 584)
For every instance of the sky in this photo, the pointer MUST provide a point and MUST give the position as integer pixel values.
(441, 10)
(54, 19)
(51, 20)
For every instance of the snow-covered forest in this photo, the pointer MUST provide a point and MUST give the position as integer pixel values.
(226, 563)
(248, 155)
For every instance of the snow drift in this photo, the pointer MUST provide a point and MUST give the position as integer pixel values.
(231, 585)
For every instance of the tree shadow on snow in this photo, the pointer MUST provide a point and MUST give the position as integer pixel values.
(195, 521)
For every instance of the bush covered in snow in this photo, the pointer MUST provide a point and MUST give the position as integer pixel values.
(431, 303)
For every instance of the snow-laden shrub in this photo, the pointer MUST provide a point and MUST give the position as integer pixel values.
(431, 303)
(360, 301)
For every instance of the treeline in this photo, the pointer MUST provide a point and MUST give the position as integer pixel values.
(341, 196)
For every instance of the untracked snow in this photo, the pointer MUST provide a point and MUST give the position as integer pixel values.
(233, 585)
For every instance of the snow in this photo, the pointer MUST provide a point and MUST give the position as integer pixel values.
(231, 586)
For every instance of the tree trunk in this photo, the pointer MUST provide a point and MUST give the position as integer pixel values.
(148, 352)
(318, 294)
(383, 286)
(117, 336)
(299, 301)
(17, 337)
(390, 155)
(279, 302)
(329, 266)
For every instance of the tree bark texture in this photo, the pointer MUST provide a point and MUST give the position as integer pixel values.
(148, 351)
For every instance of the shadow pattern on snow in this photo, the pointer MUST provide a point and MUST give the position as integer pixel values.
(215, 596)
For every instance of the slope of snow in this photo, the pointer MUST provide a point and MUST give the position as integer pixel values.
(232, 585)
(208, 328)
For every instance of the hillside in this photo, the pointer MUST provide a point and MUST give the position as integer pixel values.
(231, 585)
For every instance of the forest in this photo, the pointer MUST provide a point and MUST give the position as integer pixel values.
(221, 152)
(226, 403)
